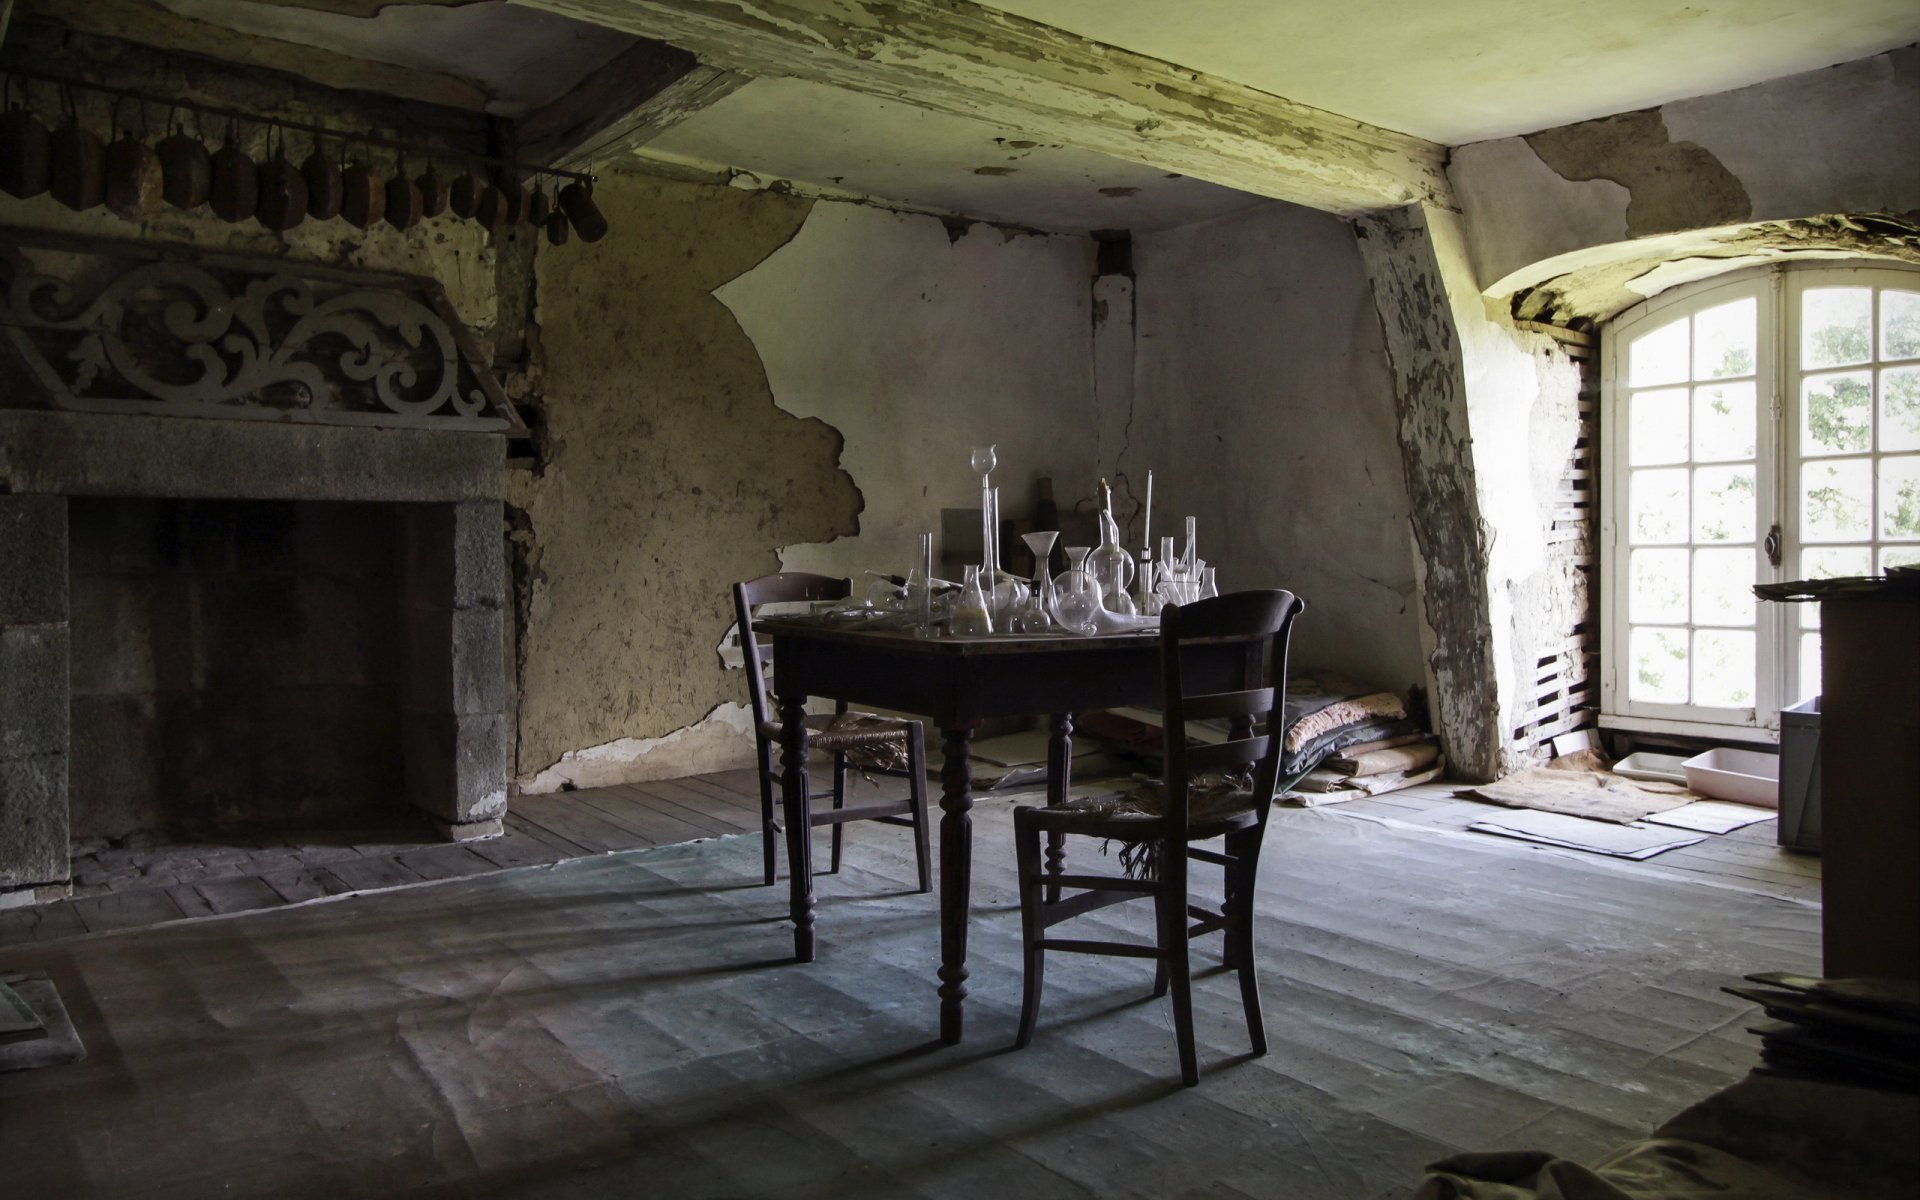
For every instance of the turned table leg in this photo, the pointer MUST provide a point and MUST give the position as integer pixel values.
(793, 800)
(956, 870)
(1059, 787)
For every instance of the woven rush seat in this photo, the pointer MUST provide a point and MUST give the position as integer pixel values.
(871, 742)
(1215, 806)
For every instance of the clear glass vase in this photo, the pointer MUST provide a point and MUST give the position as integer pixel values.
(1076, 594)
(970, 616)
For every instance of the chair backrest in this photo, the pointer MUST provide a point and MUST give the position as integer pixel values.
(790, 587)
(1267, 618)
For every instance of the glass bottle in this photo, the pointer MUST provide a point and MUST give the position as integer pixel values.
(1041, 541)
(970, 617)
(1076, 594)
(1146, 601)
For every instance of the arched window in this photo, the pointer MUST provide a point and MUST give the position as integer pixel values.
(1757, 427)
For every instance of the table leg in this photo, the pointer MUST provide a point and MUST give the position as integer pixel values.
(793, 800)
(956, 883)
(1059, 787)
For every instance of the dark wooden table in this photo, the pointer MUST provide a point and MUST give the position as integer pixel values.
(958, 683)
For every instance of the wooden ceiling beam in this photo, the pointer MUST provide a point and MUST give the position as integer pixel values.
(644, 91)
(961, 58)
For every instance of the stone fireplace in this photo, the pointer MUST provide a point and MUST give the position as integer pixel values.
(251, 566)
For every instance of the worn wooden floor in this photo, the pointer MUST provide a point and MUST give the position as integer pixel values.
(632, 1024)
(125, 889)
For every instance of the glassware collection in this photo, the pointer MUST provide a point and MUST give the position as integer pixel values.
(1103, 590)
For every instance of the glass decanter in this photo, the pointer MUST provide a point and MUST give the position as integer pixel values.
(970, 617)
(1076, 594)
(1041, 543)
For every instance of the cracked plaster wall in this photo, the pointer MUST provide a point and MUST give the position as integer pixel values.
(1269, 414)
(1835, 140)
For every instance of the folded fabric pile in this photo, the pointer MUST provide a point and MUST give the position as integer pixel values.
(1345, 739)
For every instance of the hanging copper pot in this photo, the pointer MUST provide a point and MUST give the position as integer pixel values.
(324, 189)
(557, 227)
(363, 196)
(186, 170)
(576, 200)
(236, 181)
(491, 211)
(77, 168)
(516, 202)
(404, 202)
(26, 153)
(135, 182)
(433, 193)
(463, 198)
(539, 207)
(283, 192)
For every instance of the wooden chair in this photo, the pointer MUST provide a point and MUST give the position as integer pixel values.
(1159, 824)
(842, 734)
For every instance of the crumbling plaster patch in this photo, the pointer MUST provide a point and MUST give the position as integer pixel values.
(723, 738)
(1673, 184)
(916, 345)
(671, 473)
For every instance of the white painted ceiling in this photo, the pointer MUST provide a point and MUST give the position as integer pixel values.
(1459, 71)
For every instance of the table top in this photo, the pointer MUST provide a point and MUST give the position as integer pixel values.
(906, 639)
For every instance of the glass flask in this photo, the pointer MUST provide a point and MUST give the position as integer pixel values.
(970, 617)
(1146, 601)
(1110, 563)
(1076, 594)
(1208, 588)
(1041, 543)
(1028, 616)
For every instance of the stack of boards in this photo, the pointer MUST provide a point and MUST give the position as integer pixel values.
(1370, 768)
(1860, 1031)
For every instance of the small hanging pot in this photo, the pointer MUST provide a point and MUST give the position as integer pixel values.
(283, 191)
(324, 188)
(516, 201)
(26, 154)
(491, 211)
(77, 168)
(576, 200)
(433, 193)
(463, 198)
(135, 183)
(404, 202)
(539, 207)
(364, 196)
(557, 228)
(236, 181)
(186, 170)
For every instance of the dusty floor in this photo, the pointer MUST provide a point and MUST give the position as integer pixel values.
(628, 1025)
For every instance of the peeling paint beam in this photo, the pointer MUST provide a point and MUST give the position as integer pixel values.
(644, 91)
(964, 59)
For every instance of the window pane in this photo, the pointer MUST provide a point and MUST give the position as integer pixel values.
(1657, 507)
(1836, 413)
(1900, 408)
(1899, 324)
(1809, 663)
(1657, 427)
(1900, 497)
(1723, 586)
(1723, 422)
(1836, 326)
(1835, 500)
(1830, 562)
(1899, 556)
(1723, 339)
(1723, 504)
(1659, 659)
(1659, 590)
(1659, 356)
(1723, 668)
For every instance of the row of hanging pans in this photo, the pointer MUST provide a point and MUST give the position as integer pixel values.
(135, 180)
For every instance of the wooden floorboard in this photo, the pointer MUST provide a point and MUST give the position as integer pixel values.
(647, 821)
(719, 818)
(580, 824)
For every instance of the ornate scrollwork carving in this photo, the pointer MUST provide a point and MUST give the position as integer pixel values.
(112, 333)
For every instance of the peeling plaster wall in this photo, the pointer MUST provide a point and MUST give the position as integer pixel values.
(1836, 140)
(668, 471)
(1267, 411)
(916, 344)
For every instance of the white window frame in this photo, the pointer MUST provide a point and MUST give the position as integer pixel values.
(1777, 291)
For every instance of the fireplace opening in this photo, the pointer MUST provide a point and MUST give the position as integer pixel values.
(237, 666)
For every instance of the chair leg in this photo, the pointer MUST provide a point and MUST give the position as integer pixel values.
(917, 788)
(1026, 849)
(769, 838)
(1171, 903)
(839, 801)
(1246, 848)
